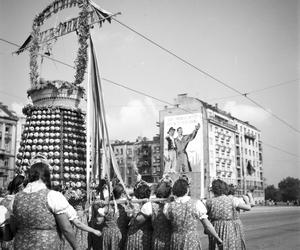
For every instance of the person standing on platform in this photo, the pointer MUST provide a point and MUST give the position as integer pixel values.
(170, 152)
(181, 143)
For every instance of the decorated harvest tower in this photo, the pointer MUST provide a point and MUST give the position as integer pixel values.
(55, 125)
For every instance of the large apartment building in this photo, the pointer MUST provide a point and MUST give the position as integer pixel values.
(8, 134)
(141, 156)
(225, 147)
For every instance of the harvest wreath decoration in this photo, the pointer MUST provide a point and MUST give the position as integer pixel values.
(81, 58)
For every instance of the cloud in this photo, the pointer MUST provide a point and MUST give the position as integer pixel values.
(137, 118)
(246, 112)
(17, 108)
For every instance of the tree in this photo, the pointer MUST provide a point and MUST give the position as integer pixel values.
(272, 193)
(290, 189)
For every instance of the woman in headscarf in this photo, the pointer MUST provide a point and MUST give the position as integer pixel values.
(15, 186)
(223, 213)
(184, 214)
(139, 234)
(39, 212)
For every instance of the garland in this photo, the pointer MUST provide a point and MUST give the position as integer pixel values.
(29, 108)
(82, 55)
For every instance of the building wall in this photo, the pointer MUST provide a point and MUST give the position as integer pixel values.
(221, 136)
(7, 150)
(141, 157)
(229, 145)
(250, 150)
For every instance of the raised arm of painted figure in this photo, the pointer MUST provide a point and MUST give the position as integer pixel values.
(192, 136)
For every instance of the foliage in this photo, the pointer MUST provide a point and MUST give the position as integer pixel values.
(82, 55)
(290, 189)
(272, 193)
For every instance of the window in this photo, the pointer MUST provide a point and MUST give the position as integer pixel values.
(121, 151)
(250, 152)
(245, 151)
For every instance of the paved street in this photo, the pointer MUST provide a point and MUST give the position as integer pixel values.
(276, 228)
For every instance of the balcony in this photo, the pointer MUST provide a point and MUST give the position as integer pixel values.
(222, 123)
(250, 136)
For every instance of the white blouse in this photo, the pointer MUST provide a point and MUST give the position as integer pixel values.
(57, 203)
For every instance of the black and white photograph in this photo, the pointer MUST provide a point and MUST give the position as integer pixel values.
(149, 125)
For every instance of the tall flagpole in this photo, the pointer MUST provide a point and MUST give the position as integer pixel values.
(88, 129)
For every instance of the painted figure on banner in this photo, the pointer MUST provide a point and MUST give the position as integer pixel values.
(181, 143)
(170, 152)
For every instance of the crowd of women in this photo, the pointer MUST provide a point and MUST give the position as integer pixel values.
(41, 218)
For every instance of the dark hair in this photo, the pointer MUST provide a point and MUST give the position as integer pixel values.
(180, 187)
(142, 190)
(219, 187)
(231, 189)
(118, 191)
(40, 171)
(179, 128)
(163, 190)
(15, 184)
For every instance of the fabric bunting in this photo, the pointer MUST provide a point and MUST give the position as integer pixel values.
(96, 123)
(24, 45)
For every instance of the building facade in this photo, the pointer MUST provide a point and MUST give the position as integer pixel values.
(8, 134)
(229, 148)
(142, 156)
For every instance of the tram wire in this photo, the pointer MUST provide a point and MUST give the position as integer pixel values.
(245, 95)
(150, 96)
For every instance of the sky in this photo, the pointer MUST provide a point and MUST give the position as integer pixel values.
(247, 44)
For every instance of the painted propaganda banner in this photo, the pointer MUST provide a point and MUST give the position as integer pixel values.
(186, 133)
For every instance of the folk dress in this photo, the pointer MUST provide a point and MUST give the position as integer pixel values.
(80, 235)
(222, 211)
(161, 235)
(185, 214)
(115, 228)
(34, 211)
(139, 235)
(36, 225)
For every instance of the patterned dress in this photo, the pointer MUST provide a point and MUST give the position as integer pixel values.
(161, 228)
(36, 226)
(139, 235)
(115, 228)
(184, 218)
(224, 217)
(80, 235)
